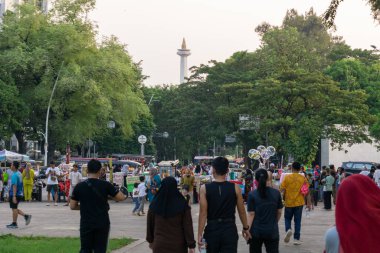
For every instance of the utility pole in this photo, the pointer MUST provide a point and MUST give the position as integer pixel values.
(47, 116)
(175, 149)
(213, 150)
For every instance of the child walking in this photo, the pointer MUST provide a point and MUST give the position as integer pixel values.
(135, 198)
(142, 195)
(75, 177)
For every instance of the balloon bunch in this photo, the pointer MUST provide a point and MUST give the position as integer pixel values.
(262, 154)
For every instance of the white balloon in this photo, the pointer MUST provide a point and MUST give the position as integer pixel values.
(261, 148)
(271, 151)
(265, 155)
(254, 154)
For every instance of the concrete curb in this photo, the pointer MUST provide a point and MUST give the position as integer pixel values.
(127, 248)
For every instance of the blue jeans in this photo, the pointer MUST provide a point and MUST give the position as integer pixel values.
(141, 204)
(137, 204)
(288, 215)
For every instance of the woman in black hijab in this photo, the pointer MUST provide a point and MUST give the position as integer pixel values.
(169, 225)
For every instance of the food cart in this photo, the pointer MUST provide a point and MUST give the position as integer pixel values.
(167, 168)
(235, 171)
(130, 181)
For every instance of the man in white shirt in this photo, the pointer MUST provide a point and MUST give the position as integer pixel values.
(52, 183)
(376, 175)
(142, 194)
(75, 178)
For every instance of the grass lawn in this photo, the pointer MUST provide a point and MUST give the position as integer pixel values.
(39, 244)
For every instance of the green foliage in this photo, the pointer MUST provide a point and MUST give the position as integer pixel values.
(72, 10)
(9, 109)
(299, 108)
(240, 67)
(98, 82)
(187, 113)
(301, 42)
(113, 141)
(350, 73)
(299, 83)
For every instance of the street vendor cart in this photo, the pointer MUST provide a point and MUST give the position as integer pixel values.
(167, 168)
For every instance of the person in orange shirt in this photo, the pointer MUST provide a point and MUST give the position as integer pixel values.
(294, 202)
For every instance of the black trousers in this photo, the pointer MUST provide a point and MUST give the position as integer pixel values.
(327, 199)
(256, 244)
(221, 237)
(94, 240)
(315, 197)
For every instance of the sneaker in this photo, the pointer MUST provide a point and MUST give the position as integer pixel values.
(66, 204)
(288, 234)
(55, 204)
(12, 225)
(47, 204)
(28, 218)
(297, 242)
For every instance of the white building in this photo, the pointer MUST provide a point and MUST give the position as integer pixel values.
(361, 152)
(9, 5)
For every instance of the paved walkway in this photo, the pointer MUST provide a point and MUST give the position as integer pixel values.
(61, 221)
(313, 229)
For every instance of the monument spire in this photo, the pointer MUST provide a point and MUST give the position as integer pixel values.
(183, 44)
(183, 53)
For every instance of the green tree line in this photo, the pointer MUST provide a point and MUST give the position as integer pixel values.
(298, 86)
(98, 82)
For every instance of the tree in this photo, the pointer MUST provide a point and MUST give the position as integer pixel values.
(302, 42)
(98, 81)
(12, 110)
(350, 73)
(299, 108)
(295, 84)
(360, 74)
(330, 13)
(240, 67)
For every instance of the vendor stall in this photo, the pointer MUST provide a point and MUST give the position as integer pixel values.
(167, 168)
(9, 156)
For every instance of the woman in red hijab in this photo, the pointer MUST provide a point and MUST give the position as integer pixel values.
(358, 215)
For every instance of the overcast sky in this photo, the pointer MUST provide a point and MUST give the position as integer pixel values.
(214, 29)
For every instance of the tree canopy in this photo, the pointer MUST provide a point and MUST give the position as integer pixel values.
(301, 85)
(98, 82)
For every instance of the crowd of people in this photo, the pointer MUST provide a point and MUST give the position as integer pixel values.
(299, 190)
(169, 218)
(27, 176)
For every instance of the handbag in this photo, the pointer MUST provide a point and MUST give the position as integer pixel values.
(305, 189)
(153, 191)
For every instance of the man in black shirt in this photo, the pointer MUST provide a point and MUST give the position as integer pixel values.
(218, 202)
(91, 198)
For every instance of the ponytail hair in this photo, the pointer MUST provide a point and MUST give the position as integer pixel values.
(261, 176)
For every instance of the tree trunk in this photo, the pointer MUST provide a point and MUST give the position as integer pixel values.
(21, 142)
(51, 149)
